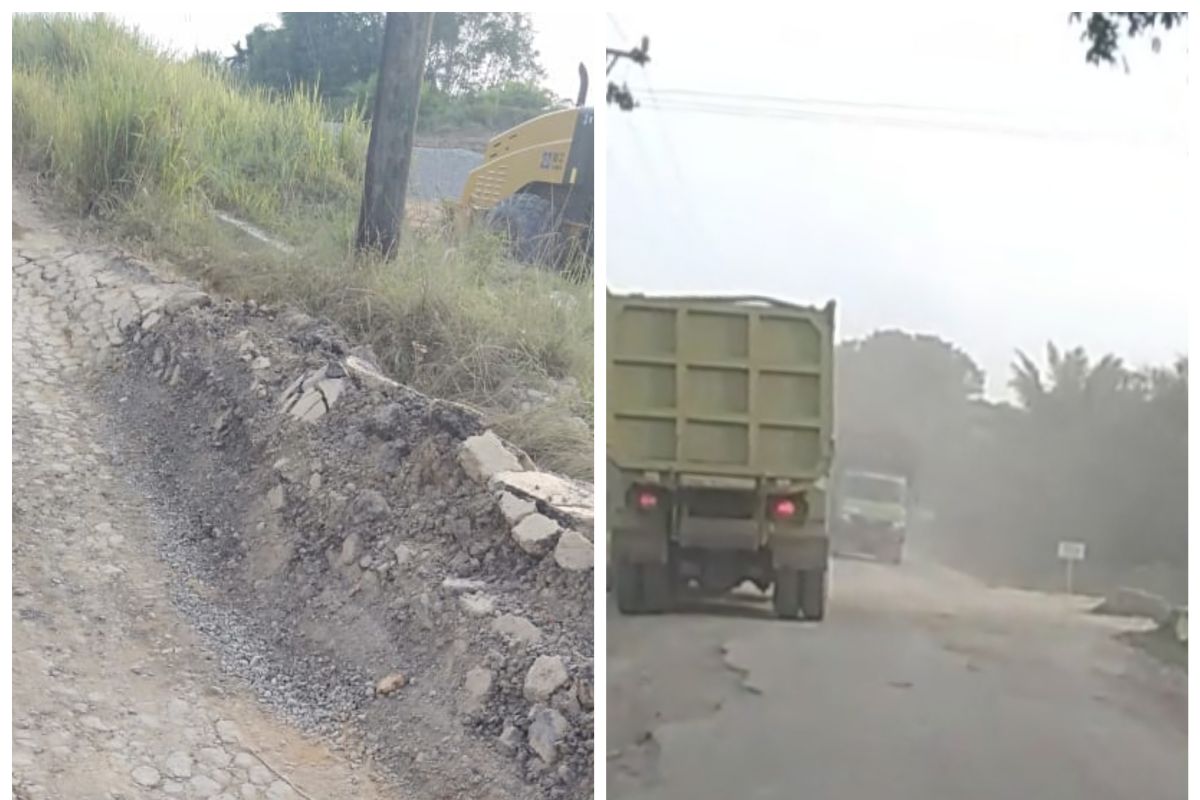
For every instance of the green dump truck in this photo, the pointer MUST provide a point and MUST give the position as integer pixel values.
(870, 514)
(720, 435)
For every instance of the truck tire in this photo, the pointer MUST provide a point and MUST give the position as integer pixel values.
(526, 219)
(628, 582)
(786, 597)
(657, 594)
(812, 594)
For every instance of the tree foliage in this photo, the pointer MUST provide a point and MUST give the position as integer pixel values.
(1103, 29)
(1091, 450)
(472, 52)
(896, 392)
(469, 53)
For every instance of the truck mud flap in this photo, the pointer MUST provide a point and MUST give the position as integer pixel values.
(802, 552)
(638, 538)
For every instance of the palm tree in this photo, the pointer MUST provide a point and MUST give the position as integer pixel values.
(241, 55)
(1027, 382)
(1070, 384)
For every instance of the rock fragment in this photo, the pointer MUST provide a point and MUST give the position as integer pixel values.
(535, 534)
(547, 727)
(390, 684)
(545, 675)
(574, 552)
(485, 455)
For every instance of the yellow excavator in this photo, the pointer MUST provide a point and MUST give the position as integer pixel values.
(536, 186)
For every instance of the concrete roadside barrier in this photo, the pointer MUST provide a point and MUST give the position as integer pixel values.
(1129, 602)
(1179, 624)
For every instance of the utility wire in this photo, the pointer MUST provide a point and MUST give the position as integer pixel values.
(659, 102)
(685, 196)
(700, 94)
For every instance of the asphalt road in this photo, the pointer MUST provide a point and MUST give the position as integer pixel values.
(921, 683)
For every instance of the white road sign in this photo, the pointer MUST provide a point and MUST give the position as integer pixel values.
(1072, 551)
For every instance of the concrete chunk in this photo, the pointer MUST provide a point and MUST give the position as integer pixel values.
(545, 675)
(309, 408)
(550, 489)
(332, 389)
(514, 508)
(485, 455)
(574, 552)
(535, 534)
(547, 727)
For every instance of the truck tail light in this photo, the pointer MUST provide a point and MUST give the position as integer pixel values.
(782, 507)
(645, 499)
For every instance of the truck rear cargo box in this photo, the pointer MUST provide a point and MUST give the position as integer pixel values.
(720, 386)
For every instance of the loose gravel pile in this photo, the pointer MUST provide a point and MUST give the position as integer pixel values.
(440, 173)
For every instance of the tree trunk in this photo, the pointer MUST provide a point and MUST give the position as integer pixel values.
(393, 127)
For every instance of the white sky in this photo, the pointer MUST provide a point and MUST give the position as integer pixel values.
(992, 241)
(561, 39)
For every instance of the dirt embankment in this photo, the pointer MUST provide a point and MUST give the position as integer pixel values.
(373, 562)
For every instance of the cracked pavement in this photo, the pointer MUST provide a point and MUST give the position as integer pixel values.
(920, 683)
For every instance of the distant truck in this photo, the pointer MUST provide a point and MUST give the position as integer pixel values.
(720, 433)
(870, 514)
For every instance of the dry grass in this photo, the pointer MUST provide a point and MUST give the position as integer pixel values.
(151, 147)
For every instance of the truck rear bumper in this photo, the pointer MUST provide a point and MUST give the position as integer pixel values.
(802, 547)
(640, 538)
(719, 534)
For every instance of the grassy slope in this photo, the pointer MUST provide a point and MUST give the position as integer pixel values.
(152, 146)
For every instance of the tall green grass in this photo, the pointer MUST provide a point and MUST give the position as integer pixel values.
(100, 110)
(150, 146)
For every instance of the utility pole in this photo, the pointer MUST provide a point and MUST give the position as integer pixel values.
(393, 128)
(638, 55)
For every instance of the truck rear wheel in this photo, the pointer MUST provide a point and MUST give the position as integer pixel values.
(657, 594)
(812, 594)
(786, 597)
(629, 588)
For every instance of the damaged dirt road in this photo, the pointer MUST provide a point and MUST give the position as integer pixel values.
(921, 683)
(114, 695)
(248, 565)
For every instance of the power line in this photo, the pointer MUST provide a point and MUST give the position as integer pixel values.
(689, 210)
(810, 101)
(795, 111)
(686, 197)
(813, 104)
